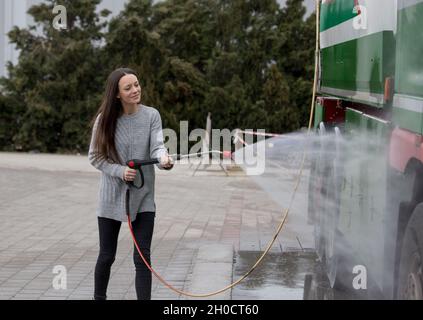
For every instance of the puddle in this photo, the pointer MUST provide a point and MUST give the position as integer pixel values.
(278, 277)
(281, 276)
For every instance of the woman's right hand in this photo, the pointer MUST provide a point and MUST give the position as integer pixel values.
(129, 174)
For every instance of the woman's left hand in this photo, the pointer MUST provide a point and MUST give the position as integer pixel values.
(166, 162)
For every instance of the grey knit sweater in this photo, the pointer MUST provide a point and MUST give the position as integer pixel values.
(138, 136)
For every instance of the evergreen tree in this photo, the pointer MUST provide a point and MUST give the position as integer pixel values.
(58, 78)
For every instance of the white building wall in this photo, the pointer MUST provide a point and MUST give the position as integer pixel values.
(2, 44)
(14, 13)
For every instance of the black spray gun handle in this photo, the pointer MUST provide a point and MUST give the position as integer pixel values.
(137, 164)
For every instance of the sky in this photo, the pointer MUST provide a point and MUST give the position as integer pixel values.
(309, 4)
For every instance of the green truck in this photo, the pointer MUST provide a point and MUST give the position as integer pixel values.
(366, 182)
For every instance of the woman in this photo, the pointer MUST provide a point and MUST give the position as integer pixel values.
(124, 129)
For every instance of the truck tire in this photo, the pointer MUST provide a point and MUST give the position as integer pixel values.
(410, 277)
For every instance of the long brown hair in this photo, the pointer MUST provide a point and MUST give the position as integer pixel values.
(108, 113)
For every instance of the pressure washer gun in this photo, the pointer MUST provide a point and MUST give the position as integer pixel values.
(139, 180)
(137, 164)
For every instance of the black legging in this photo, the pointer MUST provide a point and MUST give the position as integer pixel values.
(109, 231)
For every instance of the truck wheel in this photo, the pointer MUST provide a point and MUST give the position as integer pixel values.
(410, 279)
